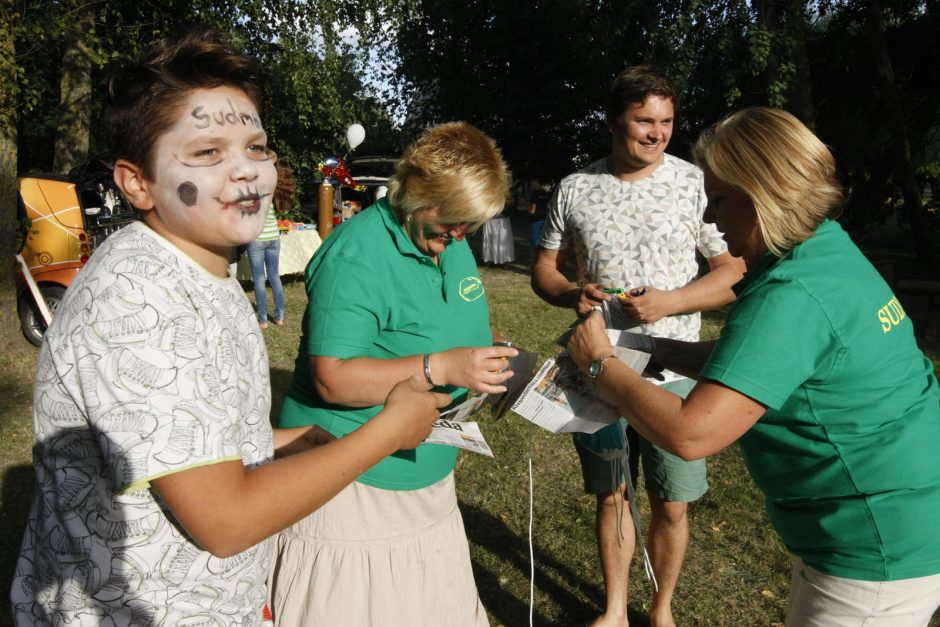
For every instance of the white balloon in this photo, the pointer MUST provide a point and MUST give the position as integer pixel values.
(354, 135)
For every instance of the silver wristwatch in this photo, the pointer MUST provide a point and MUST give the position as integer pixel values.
(597, 367)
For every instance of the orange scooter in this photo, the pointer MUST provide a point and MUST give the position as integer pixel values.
(68, 216)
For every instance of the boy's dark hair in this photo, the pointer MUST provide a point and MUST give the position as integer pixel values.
(634, 85)
(144, 99)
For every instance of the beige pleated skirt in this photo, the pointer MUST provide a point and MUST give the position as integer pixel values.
(378, 558)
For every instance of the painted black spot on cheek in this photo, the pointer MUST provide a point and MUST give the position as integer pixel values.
(188, 193)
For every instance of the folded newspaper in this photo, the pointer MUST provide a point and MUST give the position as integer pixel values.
(453, 429)
(465, 435)
(558, 398)
(561, 399)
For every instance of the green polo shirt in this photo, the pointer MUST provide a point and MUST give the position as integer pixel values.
(846, 453)
(372, 293)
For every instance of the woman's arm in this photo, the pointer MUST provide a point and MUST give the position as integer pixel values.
(366, 381)
(227, 508)
(712, 417)
(685, 358)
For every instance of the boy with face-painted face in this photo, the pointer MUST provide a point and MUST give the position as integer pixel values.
(153, 450)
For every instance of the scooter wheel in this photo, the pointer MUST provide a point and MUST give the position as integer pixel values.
(30, 319)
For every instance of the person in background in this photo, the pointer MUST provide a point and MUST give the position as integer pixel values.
(817, 375)
(498, 245)
(156, 488)
(395, 293)
(634, 223)
(264, 252)
(539, 193)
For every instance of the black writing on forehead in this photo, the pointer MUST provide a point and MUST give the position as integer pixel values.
(188, 193)
(229, 115)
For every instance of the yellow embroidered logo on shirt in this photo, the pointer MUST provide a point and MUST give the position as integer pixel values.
(471, 289)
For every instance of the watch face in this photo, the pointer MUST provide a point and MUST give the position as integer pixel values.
(595, 368)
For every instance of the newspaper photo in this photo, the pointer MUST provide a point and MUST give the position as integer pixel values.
(561, 399)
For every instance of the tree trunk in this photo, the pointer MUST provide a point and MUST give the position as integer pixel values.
(769, 20)
(801, 89)
(8, 156)
(892, 101)
(71, 146)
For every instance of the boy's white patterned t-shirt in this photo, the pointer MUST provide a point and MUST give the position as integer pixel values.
(151, 366)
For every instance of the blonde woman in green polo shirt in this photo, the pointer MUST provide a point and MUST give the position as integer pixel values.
(817, 374)
(395, 292)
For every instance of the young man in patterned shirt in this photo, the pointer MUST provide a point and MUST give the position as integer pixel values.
(634, 223)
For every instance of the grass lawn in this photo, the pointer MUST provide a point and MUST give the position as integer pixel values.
(736, 573)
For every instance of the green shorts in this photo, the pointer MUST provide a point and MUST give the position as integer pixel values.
(669, 477)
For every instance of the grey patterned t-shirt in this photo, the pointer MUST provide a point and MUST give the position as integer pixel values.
(628, 234)
(151, 366)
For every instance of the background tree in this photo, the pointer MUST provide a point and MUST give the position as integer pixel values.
(75, 90)
(533, 75)
(862, 73)
(8, 147)
(56, 56)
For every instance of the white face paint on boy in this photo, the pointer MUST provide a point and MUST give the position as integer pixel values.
(213, 177)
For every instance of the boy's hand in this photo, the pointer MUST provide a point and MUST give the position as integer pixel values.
(411, 409)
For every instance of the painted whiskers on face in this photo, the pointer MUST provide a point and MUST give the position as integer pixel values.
(248, 201)
(215, 181)
(211, 157)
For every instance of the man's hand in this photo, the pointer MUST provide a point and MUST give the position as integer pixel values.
(648, 304)
(592, 295)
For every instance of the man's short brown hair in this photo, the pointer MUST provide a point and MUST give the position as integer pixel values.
(633, 86)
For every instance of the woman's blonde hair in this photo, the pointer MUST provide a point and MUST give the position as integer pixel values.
(455, 168)
(785, 170)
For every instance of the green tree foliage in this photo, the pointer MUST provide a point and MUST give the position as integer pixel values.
(534, 75)
(310, 99)
(8, 149)
(875, 78)
(311, 79)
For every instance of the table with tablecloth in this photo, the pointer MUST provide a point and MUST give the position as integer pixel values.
(297, 247)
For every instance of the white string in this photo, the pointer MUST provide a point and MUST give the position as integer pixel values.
(531, 519)
(624, 462)
(618, 467)
(631, 498)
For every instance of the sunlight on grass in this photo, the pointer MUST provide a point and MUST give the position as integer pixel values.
(736, 572)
